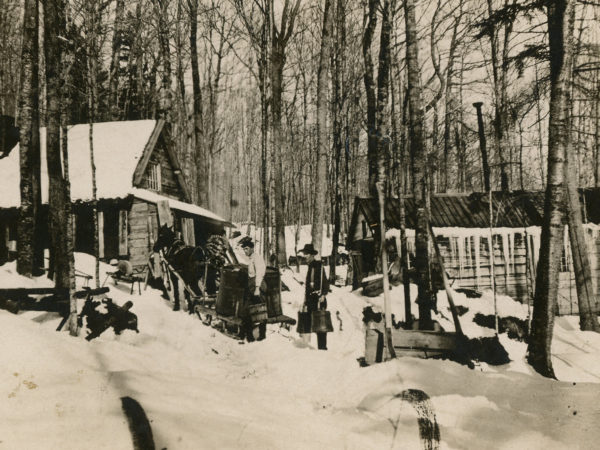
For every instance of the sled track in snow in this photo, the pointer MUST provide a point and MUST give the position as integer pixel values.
(139, 426)
(429, 431)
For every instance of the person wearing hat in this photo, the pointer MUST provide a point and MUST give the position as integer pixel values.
(256, 274)
(316, 288)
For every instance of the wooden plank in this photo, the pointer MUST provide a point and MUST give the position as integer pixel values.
(137, 243)
(139, 207)
(164, 213)
(424, 339)
(150, 230)
(141, 230)
(74, 222)
(188, 231)
(101, 234)
(123, 232)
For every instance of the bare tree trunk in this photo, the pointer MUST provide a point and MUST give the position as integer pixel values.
(482, 146)
(280, 38)
(92, 96)
(118, 33)
(66, 65)
(369, 79)
(588, 315)
(200, 155)
(551, 246)
(30, 251)
(399, 154)
(161, 8)
(383, 80)
(338, 57)
(419, 160)
(322, 132)
(588, 318)
(57, 198)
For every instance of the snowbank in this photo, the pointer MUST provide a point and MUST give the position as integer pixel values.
(201, 389)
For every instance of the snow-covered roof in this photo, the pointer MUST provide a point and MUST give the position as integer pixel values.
(154, 197)
(118, 147)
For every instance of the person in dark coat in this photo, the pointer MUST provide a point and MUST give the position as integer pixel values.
(316, 288)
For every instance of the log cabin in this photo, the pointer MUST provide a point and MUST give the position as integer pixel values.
(479, 252)
(135, 170)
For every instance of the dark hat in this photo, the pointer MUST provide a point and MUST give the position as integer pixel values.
(308, 249)
(246, 241)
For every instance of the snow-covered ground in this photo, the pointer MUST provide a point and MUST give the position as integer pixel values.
(203, 390)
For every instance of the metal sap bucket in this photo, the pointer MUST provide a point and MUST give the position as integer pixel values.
(258, 312)
(303, 322)
(272, 295)
(321, 321)
(234, 280)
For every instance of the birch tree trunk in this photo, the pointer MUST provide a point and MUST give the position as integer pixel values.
(551, 245)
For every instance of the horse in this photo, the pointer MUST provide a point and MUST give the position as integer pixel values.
(193, 264)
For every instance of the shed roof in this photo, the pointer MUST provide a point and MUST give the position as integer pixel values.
(118, 147)
(515, 209)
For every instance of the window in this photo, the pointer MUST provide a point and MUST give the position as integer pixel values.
(154, 177)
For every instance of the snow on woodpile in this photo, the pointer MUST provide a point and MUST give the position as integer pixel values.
(117, 149)
(202, 389)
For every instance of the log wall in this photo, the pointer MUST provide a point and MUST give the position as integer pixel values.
(142, 223)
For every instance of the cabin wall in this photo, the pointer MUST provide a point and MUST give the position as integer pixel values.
(469, 264)
(515, 255)
(169, 186)
(362, 229)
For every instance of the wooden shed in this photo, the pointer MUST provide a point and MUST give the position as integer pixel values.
(135, 170)
(467, 239)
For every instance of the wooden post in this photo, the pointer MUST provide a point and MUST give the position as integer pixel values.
(164, 213)
(100, 234)
(74, 222)
(3, 244)
(453, 310)
(123, 251)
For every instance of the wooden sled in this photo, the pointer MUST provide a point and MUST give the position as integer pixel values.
(416, 343)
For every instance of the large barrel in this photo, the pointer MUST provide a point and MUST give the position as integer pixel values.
(272, 295)
(234, 280)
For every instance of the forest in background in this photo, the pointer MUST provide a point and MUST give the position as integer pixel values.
(230, 69)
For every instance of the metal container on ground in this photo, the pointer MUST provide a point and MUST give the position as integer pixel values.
(272, 296)
(258, 312)
(321, 321)
(234, 280)
(303, 322)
